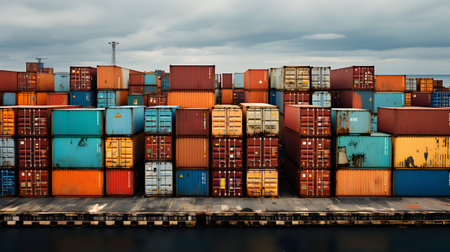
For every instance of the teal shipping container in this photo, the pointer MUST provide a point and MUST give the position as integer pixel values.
(160, 119)
(150, 79)
(77, 122)
(374, 123)
(107, 98)
(7, 152)
(347, 121)
(387, 100)
(421, 183)
(238, 80)
(124, 120)
(150, 89)
(192, 182)
(78, 152)
(357, 151)
(9, 99)
(62, 82)
(136, 99)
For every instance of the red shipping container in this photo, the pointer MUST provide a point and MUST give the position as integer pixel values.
(190, 77)
(308, 183)
(238, 96)
(137, 89)
(158, 147)
(308, 120)
(136, 78)
(227, 81)
(295, 98)
(83, 78)
(34, 183)
(37, 82)
(58, 99)
(421, 99)
(414, 121)
(21, 79)
(8, 81)
(227, 183)
(353, 78)
(227, 153)
(156, 100)
(256, 79)
(33, 153)
(47, 70)
(33, 67)
(120, 182)
(256, 96)
(308, 152)
(192, 122)
(262, 152)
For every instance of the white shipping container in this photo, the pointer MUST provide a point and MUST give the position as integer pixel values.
(321, 98)
(158, 178)
(320, 78)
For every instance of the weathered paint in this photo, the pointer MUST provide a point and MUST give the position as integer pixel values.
(78, 152)
(320, 78)
(321, 98)
(62, 82)
(7, 152)
(346, 121)
(421, 152)
(261, 119)
(192, 182)
(125, 120)
(77, 122)
(159, 179)
(421, 183)
(226, 121)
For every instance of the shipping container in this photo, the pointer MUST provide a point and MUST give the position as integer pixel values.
(353, 78)
(320, 78)
(425, 84)
(37, 82)
(7, 121)
(83, 98)
(420, 99)
(77, 182)
(227, 154)
(238, 96)
(143, 89)
(83, 78)
(229, 183)
(290, 78)
(21, 79)
(408, 99)
(192, 182)
(218, 81)
(440, 99)
(8, 81)
(363, 183)
(160, 119)
(7, 152)
(9, 99)
(411, 84)
(191, 99)
(7, 183)
(121, 182)
(354, 99)
(308, 183)
(192, 152)
(226, 121)
(421, 152)
(47, 70)
(62, 82)
(34, 183)
(125, 120)
(150, 79)
(374, 123)
(347, 121)
(262, 152)
(41, 98)
(388, 100)
(321, 98)
(158, 147)
(165, 83)
(137, 100)
(77, 122)
(111, 98)
(33, 153)
(192, 122)
(262, 183)
(198, 77)
(78, 152)
(227, 81)
(26, 98)
(156, 100)
(421, 183)
(357, 151)
(256, 96)
(58, 99)
(308, 120)
(390, 83)
(414, 121)
(34, 67)
(308, 152)
(285, 98)
(124, 152)
(218, 96)
(238, 81)
(136, 78)
(112, 77)
(261, 119)
(227, 96)
(159, 179)
(256, 79)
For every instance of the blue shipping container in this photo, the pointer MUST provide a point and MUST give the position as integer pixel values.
(165, 83)
(78, 152)
(62, 82)
(273, 97)
(7, 152)
(106, 98)
(9, 99)
(350, 121)
(136, 100)
(387, 100)
(440, 99)
(83, 98)
(192, 182)
(279, 100)
(366, 99)
(77, 122)
(7, 183)
(160, 119)
(356, 151)
(421, 183)
(150, 79)
(239, 80)
(124, 120)
(374, 123)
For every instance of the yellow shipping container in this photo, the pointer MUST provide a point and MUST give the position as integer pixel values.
(421, 152)
(124, 152)
(226, 121)
(363, 182)
(261, 119)
(7, 121)
(407, 99)
(262, 183)
(191, 99)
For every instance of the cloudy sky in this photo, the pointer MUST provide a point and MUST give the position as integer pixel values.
(402, 36)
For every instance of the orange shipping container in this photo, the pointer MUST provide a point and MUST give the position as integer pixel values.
(390, 83)
(191, 99)
(425, 84)
(124, 152)
(7, 121)
(112, 77)
(41, 98)
(262, 183)
(256, 96)
(226, 120)
(407, 99)
(192, 153)
(58, 99)
(39, 82)
(227, 96)
(77, 183)
(26, 98)
(359, 183)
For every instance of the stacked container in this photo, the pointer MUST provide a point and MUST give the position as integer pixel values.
(262, 145)
(308, 149)
(238, 89)
(112, 86)
(227, 88)
(362, 160)
(8, 87)
(34, 90)
(83, 86)
(123, 149)
(156, 100)
(143, 83)
(256, 86)
(320, 86)
(165, 82)
(420, 143)
(8, 172)
(159, 150)
(227, 151)
(440, 99)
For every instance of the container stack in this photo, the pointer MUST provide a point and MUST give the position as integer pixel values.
(83, 86)
(165, 82)
(33, 91)
(227, 88)
(159, 149)
(308, 149)
(8, 150)
(62, 90)
(440, 99)
(362, 159)
(112, 86)
(256, 86)
(123, 149)
(420, 143)
(137, 89)
(227, 152)
(238, 89)
(78, 155)
(262, 144)
(320, 86)
(8, 87)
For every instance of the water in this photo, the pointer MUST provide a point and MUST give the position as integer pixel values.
(228, 239)
(444, 77)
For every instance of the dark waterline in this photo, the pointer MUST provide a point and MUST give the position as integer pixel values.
(228, 239)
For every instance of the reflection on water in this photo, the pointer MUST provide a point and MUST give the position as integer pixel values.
(226, 239)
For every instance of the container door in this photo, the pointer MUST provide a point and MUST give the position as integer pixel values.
(151, 120)
(165, 120)
(254, 121)
(7, 152)
(271, 121)
(166, 179)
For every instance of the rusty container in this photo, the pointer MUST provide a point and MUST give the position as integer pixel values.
(7, 121)
(420, 99)
(158, 148)
(8, 81)
(353, 78)
(77, 182)
(156, 100)
(192, 77)
(192, 122)
(252, 96)
(227, 154)
(192, 152)
(227, 121)
(41, 98)
(291, 78)
(363, 183)
(256, 79)
(83, 78)
(421, 152)
(191, 99)
(261, 119)
(26, 98)
(262, 152)
(390, 83)
(229, 183)
(112, 78)
(58, 99)
(308, 183)
(262, 183)
(33, 121)
(227, 96)
(124, 152)
(34, 183)
(33, 153)
(308, 120)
